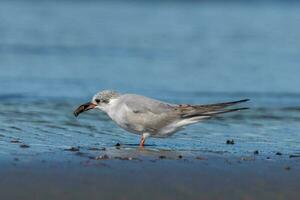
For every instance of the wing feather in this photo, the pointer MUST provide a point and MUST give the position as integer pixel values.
(188, 111)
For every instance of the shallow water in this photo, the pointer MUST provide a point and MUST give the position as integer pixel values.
(55, 56)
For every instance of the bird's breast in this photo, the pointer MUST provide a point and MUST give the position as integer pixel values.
(126, 119)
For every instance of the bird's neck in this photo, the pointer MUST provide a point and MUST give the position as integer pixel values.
(110, 108)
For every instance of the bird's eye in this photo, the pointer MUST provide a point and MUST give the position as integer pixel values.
(97, 100)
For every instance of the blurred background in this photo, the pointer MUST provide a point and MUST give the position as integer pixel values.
(55, 55)
(75, 48)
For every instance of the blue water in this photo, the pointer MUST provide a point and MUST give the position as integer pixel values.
(56, 55)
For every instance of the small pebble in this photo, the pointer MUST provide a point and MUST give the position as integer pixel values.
(72, 149)
(256, 152)
(24, 146)
(180, 156)
(294, 156)
(15, 141)
(278, 154)
(97, 149)
(118, 144)
(230, 142)
(268, 157)
(104, 157)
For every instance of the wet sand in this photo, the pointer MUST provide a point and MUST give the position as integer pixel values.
(131, 173)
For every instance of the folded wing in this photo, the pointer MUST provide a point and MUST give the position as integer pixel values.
(210, 110)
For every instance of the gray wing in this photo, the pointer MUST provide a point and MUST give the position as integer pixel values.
(148, 113)
(152, 115)
(142, 104)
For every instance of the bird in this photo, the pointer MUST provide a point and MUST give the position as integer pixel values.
(149, 117)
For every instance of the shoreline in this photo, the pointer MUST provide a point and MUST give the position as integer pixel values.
(130, 173)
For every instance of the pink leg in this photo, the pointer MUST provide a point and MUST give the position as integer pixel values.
(142, 142)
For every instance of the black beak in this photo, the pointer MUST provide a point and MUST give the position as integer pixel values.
(83, 108)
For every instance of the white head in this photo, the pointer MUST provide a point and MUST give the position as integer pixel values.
(102, 100)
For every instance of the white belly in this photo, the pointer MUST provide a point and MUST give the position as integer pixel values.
(123, 119)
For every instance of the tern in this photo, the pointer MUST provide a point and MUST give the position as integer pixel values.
(150, 117)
